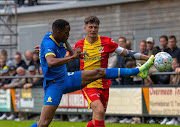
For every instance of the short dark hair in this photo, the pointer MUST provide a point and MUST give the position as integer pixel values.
(144, 41)
(164, 36)
(123, 38)
(172, 37)
(60, 24)
(91, 19)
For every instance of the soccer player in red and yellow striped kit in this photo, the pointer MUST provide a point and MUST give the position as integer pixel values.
(99, 49)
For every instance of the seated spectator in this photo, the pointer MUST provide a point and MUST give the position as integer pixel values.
(4, 55)
(38, 83)
(5, 72)
(28, 58)
(173, 49)
(12, 71)
(32, 72)
(19, 62)
(129, 80)
(19, 82)
(3, 64)
(174, 79)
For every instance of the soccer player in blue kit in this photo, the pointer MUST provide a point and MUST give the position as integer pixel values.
(56, 79)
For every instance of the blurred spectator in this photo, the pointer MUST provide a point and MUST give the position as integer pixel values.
(12, 71)
(152, 50)
(174, 79)
(37, 83)
(121, 60)
(19, 62)
(129, 80)
(3, 64)
(128, 45)
(28, 58)
(4, 55)
(36, 61)
(5, 72)
(143, 50)
(163, 40)
(122, 42)
(173, 50)
(32, 72)
(19, 82)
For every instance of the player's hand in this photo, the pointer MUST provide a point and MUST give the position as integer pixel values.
(77, 52)
(83, 54)
(37, 48)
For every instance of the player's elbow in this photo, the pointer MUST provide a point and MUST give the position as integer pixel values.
(50, 64)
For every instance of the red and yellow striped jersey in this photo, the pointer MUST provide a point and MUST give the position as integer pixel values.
(98, 57)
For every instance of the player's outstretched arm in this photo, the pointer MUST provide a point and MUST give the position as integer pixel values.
(130, 53)
(54, 62)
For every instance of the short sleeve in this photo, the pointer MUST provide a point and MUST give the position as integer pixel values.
(49, 49)
(112, 45)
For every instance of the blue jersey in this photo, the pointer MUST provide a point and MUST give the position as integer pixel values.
(49, 46)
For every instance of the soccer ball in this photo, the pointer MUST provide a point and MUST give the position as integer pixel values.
(163, 61)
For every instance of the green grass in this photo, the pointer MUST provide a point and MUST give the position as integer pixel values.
(72, 124)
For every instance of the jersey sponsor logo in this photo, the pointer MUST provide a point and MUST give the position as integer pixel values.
(49, 99)
(101, 49)
(92, 58)
(70, 73)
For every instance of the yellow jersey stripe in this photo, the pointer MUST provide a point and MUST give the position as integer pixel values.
(89, 101)
(54, 40)
(118, 72)
(50, 54)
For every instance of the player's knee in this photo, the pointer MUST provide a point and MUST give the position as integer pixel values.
(100, 111)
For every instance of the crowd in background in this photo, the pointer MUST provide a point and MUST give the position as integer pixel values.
(28, 64)
(21, 3)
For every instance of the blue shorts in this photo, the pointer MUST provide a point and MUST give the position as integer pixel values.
(55, 89)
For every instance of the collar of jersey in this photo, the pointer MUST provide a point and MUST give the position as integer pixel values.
(94, 42)
(54, 40)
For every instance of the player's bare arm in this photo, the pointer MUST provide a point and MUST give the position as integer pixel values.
(54, 62)
(130, 53)
(69, 48)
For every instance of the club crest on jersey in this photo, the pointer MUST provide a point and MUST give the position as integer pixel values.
(101, 49)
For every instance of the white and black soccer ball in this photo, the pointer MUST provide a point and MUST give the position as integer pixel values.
(163, 61)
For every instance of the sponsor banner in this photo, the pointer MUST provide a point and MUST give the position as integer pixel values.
(29, 100)
(164, 101)
(73, 100)
(5, 100)
(74, 110)
(125, 101)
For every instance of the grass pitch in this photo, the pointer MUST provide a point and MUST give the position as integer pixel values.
(73, 124)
